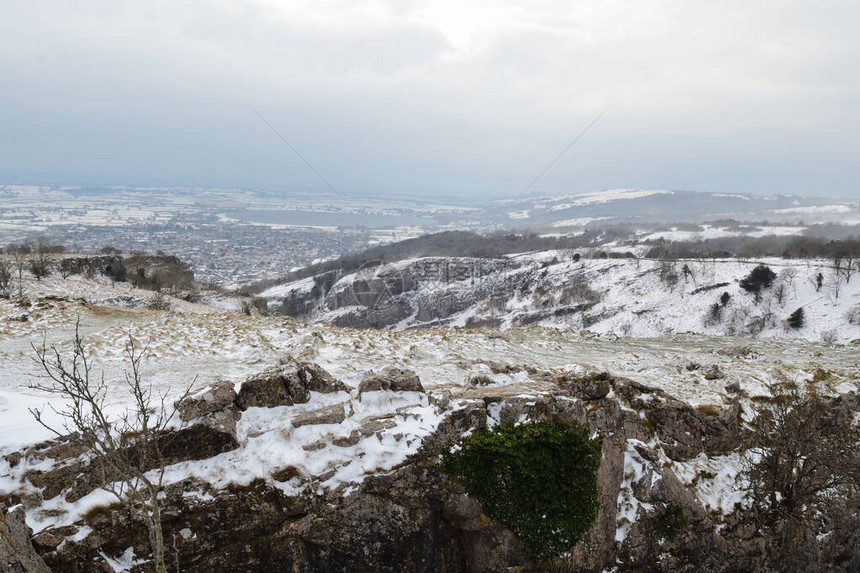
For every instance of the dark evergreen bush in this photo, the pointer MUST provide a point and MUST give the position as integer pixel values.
(797, 319)
(540, 480)
(759, 278)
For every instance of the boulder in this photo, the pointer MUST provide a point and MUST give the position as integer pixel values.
(286, 386)
(17, 554)
(396, 379)
(213, 398)
(480, 380)
(714, 373)
(267, 389)
(214, 434)
(317, 379)
(593, 386)
(331, 415)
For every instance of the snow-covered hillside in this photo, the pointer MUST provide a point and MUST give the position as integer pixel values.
(332, 444)
(618, 296)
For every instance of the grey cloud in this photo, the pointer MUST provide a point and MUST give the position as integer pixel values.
(731, 96)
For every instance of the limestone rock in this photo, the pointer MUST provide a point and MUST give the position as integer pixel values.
(331, 415)
(317, 379)
(411, 519)
(594, 386)
(480, 380)
(212, 435)
(213, 398)
(714, 373)
(286, 386)
(396, 379)
(17, 554)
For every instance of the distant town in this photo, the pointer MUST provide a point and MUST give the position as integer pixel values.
(234, 237)
(229, 237)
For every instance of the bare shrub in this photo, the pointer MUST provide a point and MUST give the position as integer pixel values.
(668, 274)
(853, 315)
(736, 319)
(578, 291)
(829, 336)
(802, 459)
(836, 286)
(779, 293)
(788, 274)
(159, 302)
(5, 278)
(128, 449)
(41, 255)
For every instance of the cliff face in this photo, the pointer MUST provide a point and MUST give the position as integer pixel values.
(619, 296)
(413, 517)
(423, 291)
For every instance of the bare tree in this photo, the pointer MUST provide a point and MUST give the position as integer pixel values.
(845, 260)
(41, 254)
(802, 457)
(779, 293)
(668, 275)
(836, 285)
(19, 261)
(128, 450)
(5, 278)
(787, 274)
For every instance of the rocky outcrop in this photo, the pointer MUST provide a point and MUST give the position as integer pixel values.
(17, 554)
(593, 386)
(416, 519)
(683, 431)
(412, 520)
(395, 379)
(213, 398)
(285, 386)
(427, 291)
(75, 474)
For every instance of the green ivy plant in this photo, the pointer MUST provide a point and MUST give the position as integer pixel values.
(670, 523)
(539, 480)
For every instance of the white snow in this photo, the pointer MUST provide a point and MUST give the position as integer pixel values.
(518, 214)
(635, 468)
(815, 209)
(595, 197)
(124, 562)
(577, 221)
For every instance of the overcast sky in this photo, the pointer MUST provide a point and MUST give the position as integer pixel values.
(446, 97)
